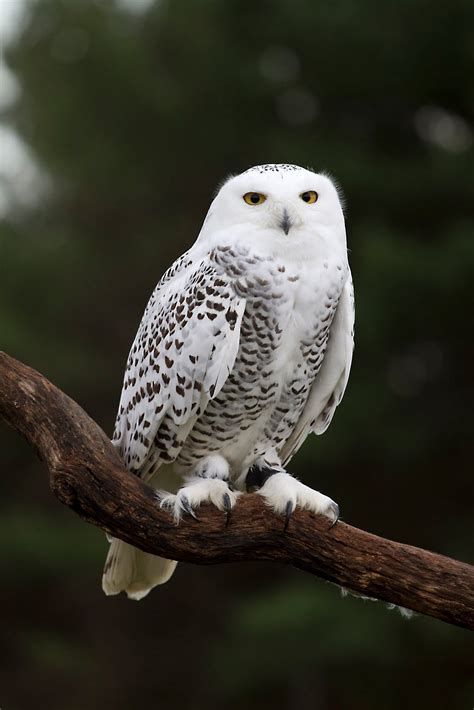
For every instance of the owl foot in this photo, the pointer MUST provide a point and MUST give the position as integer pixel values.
(198, 491)
(283, 493)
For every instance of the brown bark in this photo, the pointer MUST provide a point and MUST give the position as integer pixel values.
(87, 475)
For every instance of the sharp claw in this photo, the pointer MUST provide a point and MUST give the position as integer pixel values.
(288, 512)
(227, 507)
(335, 509)
(187, 507)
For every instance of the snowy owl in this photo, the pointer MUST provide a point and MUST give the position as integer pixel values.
(244, 349)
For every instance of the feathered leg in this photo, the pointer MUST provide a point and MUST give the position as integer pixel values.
(207, 482)
(283, 492)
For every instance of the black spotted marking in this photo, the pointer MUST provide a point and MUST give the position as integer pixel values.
(257, 476)
(231, 316)
(274, 168)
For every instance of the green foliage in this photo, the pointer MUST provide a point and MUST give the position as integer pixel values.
(65, 549)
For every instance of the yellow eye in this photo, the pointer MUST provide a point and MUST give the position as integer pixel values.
(309, 197)
(254, 198)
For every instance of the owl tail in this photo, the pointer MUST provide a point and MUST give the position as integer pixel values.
(130, 570)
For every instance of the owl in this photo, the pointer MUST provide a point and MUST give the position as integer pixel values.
(244, 349)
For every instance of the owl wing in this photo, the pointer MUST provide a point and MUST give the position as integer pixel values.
(329, 386)
(183, 352)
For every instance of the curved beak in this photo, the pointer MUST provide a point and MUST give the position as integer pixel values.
(286, 221)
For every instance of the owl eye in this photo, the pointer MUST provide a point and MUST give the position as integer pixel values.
(309, 197)
(254, 198)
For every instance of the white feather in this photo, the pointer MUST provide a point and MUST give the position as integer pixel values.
(330, 384)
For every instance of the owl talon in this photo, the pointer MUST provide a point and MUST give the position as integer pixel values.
(334, 509)
(187, 507)
(288, 513)
(227, 503)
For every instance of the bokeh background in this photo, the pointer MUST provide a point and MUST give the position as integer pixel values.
(118, 119)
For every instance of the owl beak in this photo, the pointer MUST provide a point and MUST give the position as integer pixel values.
(286, 221)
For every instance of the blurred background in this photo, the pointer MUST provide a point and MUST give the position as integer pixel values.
(117, 121)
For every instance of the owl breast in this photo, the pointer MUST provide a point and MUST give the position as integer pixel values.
(283, 339)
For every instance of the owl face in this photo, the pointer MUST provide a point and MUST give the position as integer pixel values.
(286, 199)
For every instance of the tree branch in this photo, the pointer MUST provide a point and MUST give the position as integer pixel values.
(87, 475)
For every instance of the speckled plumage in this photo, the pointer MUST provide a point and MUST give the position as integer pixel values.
(244, 349)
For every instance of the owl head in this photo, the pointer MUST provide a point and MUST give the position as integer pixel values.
(285, 200)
